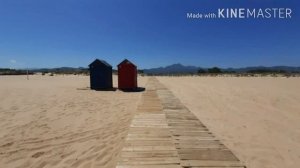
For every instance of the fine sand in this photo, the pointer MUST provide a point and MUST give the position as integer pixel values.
(257, 118)
(54, 121)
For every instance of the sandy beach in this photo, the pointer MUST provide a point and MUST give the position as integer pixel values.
(55, 121)
(257, 118)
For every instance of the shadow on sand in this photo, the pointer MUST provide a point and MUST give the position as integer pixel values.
(108, 89)
(138, 89)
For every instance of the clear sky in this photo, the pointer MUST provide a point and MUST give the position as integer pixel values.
(55, 33)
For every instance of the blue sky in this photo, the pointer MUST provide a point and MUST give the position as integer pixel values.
(55, 33)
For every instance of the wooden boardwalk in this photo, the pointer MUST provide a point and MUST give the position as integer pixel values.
(165, 134)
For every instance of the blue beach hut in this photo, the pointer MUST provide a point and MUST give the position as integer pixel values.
(100, 75)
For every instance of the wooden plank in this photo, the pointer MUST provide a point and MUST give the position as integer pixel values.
(183, 111)
(172, 107)
(148, 148)
(150, 107)
(148, 138)
(150, 130)
(180, 116)
(153, 102)
(171, 121)
(209, 137)
(210, 163)
(186, 127)
(150, 161)
(149, 115)
(146, 115)
(148, 143)
(189, 129)
(148, 122)
(149, 133)
(160, 162)
(147, 154)
(216, 166)
(176, 116)
(198, 142)
(210, 154)
(192, 140)
(152, 110)
(150, 125)
(149, 166)
(156, 116)
(185, 124)
(201, 134)
(202, 146)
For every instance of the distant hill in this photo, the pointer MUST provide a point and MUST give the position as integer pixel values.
(8, 71)
(179, 68)
(62, 70)
(274, 68)
(172, 69)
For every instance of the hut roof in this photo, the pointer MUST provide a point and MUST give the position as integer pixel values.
(126, 61)
(97, 61)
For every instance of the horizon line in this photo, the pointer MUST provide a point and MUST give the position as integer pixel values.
(248, 66)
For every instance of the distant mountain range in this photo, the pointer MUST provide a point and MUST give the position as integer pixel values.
(171, 69)
(179, 68)
(175, 68)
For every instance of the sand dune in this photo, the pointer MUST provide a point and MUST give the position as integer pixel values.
(257, 118)
(55, 122)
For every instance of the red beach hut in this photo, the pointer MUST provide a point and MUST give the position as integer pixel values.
(127, 75)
